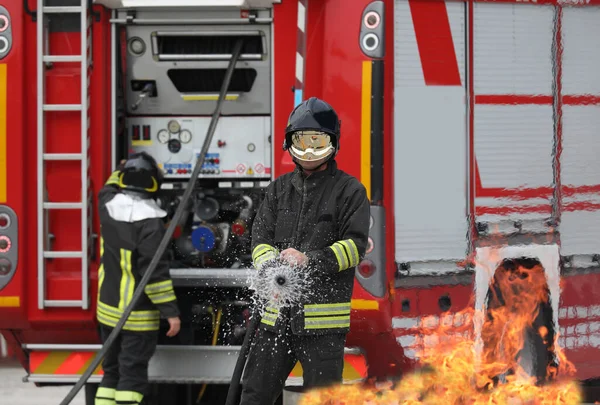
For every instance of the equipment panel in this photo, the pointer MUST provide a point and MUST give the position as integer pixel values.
(241, 146)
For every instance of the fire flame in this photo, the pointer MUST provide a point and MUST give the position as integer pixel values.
(488, 365)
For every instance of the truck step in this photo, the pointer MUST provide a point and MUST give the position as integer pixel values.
(63, 205)
(62, 107)
(60, 10)
(62, 58)
(63, 156)
(62, 254)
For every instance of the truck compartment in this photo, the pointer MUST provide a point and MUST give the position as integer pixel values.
(507, 105)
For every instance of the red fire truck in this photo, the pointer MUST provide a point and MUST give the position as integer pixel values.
(472, 124)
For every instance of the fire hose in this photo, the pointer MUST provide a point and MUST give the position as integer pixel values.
(236, 378)
(168, 234)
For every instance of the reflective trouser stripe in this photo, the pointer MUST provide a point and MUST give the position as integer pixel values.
(263, 253)
(128, 397)
(105, 396)
(346, 254)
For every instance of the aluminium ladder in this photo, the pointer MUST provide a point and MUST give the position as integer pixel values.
(43, 206)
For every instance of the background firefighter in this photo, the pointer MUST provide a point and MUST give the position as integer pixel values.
(132, 227)
(317, 219)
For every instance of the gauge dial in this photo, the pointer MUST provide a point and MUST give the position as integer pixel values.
(185, 136)
(163, 136)
(174, 127)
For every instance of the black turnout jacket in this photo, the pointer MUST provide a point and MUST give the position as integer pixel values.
(126, 249)
(326, 216)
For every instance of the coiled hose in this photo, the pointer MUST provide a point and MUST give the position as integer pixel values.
(169, 233)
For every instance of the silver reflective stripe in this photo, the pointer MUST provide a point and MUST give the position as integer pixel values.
(327, 308)
(331, 321)
(341, 256)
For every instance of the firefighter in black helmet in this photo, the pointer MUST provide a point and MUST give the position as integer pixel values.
(132, 227)
(315, 218)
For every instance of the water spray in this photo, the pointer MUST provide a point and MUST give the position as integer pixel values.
(280, 284)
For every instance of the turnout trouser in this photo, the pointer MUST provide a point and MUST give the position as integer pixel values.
(273, 357)
(125, 367)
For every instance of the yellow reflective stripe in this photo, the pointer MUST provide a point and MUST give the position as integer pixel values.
(261, 249)
(105, 392)
(107, 315)
(346, 254)
(129, 396)
(163, 297)
(329, 326)
(327, 322)
(339, 255)
(351, 250)
(325, 319)
(268, 322)
(105, 396)
(101, 268)
(270, 316)
(333, 312)
(114, 178)
(127, 279)
(327, 307)
(135, 315)
(129, 325)
(272, 310)
(263, 253)
(161, 292)
(263, 259)
(318, 316)
(159, 287)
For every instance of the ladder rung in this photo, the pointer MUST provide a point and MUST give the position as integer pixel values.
(63, 205)
(62, 58)
(62, 107)
(62, 303)
(62, 156)
(64, 9)
(62, 254)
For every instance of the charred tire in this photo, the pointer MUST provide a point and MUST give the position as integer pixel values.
(519, 290)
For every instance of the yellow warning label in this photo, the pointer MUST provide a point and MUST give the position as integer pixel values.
(250, 171)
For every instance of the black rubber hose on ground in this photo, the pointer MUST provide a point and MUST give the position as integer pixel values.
(236, 378)
(169, 233)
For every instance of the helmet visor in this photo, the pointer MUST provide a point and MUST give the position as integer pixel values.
(311, 145)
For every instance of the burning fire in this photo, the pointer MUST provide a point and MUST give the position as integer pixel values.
(490, 364)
